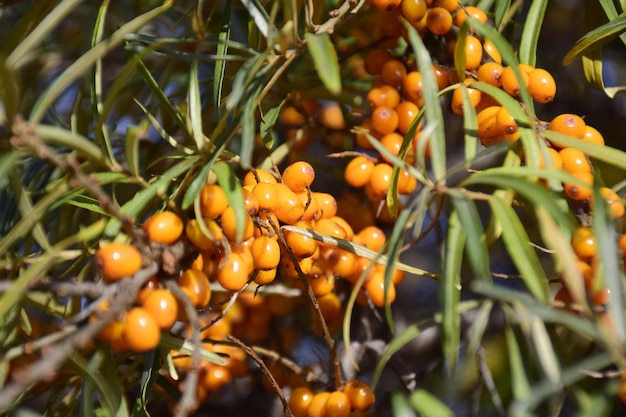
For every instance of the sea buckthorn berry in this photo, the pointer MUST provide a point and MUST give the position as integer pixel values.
(229, 225)
(564, 296)
(151, 284)
(393, 73)
(198, 238)
(375, 59)
(385, 6)
(213, 377)
(317, 407)
(487, 126)
(457, 97)
(407, 183)
(345, 225)
(164, 227)
(505, 123)
(490, 49)
(413, 88)
(442, 76)
(574, 160)
(250, 201)
(327, 204)
(299, 401)
(380, 180)
(372, 238)
(392, 142)
(438, 21)
(510, 82)
(358, 171)
(117, 260)
(265, 252)
(361, 137)
(360, 395)
(474, 12)
(311, 208)
(301, 246)
(331, 116)
(341, 262)
(584, 243)
(322, 281)
(331, 228)
(233, 276)
(615, 203)
(385, 95)
(213, 201)
(289, 209)
(473, 53)
(263, 176)
(195, 284)
(289, 115)
(555, 159)
(375, 288)
(577, 192)
(265, 276)
(407, 112)
(163, 307)
(298, 176)
(541, 85)
(413, 10)
(601, 297)
(593, 136)
(337, 405)
(569, 124)
(266, 195)
(449, 5)
(141, 331)
(332, 312)
(491, 73)
(384, 120)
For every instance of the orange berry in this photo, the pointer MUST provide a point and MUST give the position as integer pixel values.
(569, 124)
(407, 183)
(250, 201)
(442, 76)
(317, 407)
(438, 20)
(195, 284)
(147, 288)
(289, 115)
(213, 377)
(263, 176)
(265, 276)
(574, 160)
(449, 5)
(385, 95)
(229, 225)
(413, 10)
(345, 225)
(407, 112)
(163, 307)
(337, 405)
(577, 192)
(198, 238)
(541, 85)
(392, 142)
(164, 227)
(372, 238)
(358, 171)
(141, 331)
(117, 260)
(213, 201)
(488, 130)
(380, 180)
(473, 53)
(393, 73)
(384, 120)
(266, 195)
(298, 176)
(555, 159)
(510, 82)
(311, 208)
(385, 6)
(265, 252)
(331, 228)
(360, 395)
(233, 276)
(301, 246)
(326, 203)
(321, 284)
(375, 59)
(471, 11)
(505, 123)
(584, 243)
(341, 262)
(592, 135)
(457, 97)
(615, 203)
(289, 209)
(491, 73)
(331, 116)
(622, 243)
(413, 88)
(490, 49)
(299, 401)
(375, 288)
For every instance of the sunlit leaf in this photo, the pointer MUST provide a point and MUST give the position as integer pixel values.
(597, 38)
(325, 59)
(428, 405)
(530, 34)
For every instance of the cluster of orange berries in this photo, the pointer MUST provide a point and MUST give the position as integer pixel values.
(355, 396)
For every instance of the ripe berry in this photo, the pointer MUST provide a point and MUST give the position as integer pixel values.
(265, 276)
(438, 21)
(473, 12)
(233, 276)
(413, 88)
(301, 246)
(541, 85)
(473, 53)
(380, 180)
(490, 49)
(337, 405)
(407, 112)
(165, 227)
(317, 407)
(358, 171)
(299, 401)
(372, 238)
(141, 331)
(289, 209)
(393, 73)
(198, 238)
(163, 307)
(413, 10)
(584, 243)
(569, 124)
(385, 95)
(331, 117)
(213, 201)
(195, 284)
(510, 82)
(592, 135)
(555, 159)
(488, 130)
(265, 252)
(491, 73)
(392, 142)
(505, 123)
(326, 203)
(360, 395)
(263, 176)
(386, 6)
(574, 160)
(457, 97)
(289, 115)
(384, 120)
(577, 192)
(298, 176)
(229, 225)
(375, 59)
(117, 260)
(266, 195)
(615, 203)
(375, 287)
(214, 377)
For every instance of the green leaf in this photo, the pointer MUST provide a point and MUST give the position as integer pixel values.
(248, 132)
(222, 49)
(502, 8)
(134, 135)
(519, 378)
(231, 186)
(606, 154)
(432, 105)
(196, 185)
(400, 405)
(268, 121)
(470, 127)
(450, 290)
(596, 38)
(428, 405)
(325, 59)
(518, 246)
(592, 66)
(530, 33)
(195, 106)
